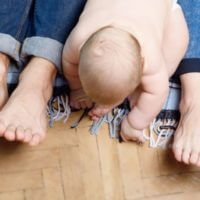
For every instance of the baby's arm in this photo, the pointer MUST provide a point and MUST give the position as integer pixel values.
(148, 105)
(70, 61)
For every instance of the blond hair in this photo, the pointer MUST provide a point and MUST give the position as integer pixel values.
(110, 65)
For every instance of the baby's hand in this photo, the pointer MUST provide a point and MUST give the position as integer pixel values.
(129, 133)
(79, 100)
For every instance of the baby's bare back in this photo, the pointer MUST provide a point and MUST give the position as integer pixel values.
(134, 16)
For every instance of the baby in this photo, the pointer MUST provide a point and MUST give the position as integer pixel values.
(125, 49)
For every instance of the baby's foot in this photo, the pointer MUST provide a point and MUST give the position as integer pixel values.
(99, 111)
(186, 144)
(23, 118)
(79, 100)
(4, 63)
(129, 133)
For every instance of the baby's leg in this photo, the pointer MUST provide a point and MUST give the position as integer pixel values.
(4, 63)
(175, 40)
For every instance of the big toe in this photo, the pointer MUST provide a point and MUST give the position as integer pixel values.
(186, 156)
(10, 133)
(2, 128)
(178, 150)
(194, 157)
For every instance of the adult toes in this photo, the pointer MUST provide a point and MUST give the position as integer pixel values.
(20, 133)
(35, 140)
(198, 162)
(194, 158)
(10, 133)
(186, 156)
(2, 128)
(27, 135)
(178, 152)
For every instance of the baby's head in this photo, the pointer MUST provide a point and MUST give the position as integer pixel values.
(110, 66)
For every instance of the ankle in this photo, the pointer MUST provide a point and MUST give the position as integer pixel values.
(190, 90)
(4, 63)
(38, 76)
(39, 71)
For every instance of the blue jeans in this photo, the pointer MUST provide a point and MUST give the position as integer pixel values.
(37, 27)
(191, 63)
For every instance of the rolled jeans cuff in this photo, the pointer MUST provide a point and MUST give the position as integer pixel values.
(10, 46)
(42, 47)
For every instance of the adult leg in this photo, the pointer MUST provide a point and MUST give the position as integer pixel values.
(52, 22)
(4, 62)
(13, 26)
(186, 145)
(176, 40)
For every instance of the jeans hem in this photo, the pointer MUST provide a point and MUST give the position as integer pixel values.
(43, 47)
(10, 46)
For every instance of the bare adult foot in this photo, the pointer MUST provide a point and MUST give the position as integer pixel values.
(4, 63)
(186, 144)
(23, 118)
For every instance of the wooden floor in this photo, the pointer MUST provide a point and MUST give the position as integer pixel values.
(73, 165)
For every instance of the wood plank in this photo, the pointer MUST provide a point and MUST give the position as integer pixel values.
(90, 165)
(72, 174)
(130, 170)
(110, 168)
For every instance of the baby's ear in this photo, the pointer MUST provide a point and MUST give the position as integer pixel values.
(142, 60)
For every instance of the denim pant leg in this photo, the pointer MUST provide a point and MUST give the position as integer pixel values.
(191, 62)
(191, 10)
(14, 16)
(53, 20)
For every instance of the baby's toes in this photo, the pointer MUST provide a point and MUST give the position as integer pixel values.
(10, 133)
(95, 118)
(194, 157)
(20, 133)
(91, 113)
(198, 162)
(97, 112)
